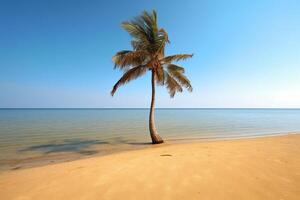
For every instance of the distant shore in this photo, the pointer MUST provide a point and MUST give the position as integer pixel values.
(257, 168)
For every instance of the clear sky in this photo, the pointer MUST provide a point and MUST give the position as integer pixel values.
(58, 53)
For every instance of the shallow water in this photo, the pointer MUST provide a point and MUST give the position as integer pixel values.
(33, 135)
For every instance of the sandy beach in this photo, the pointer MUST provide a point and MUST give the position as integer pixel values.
(258, 168)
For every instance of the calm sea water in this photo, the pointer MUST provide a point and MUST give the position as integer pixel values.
(35, 135)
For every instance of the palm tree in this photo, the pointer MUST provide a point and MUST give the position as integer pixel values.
(148, 44)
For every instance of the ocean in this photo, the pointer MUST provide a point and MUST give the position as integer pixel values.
(30, 137)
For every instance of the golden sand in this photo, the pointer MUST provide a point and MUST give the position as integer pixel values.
(261, 168)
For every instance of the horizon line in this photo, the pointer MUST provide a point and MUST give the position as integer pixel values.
(111, 108)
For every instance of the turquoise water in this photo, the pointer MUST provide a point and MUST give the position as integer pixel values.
(32, 135)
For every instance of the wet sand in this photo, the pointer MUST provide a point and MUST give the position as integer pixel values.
(259, 168)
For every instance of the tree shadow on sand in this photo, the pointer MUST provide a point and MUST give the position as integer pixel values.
(120, 140)
(72, 145)
(140, 143)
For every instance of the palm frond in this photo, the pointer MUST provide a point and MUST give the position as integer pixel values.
(172, 85)
(128, 58)
(129, 75)
(173, 67)
(175, 58)
(136, 31)
(145, 33)
(160, 43)
(165, 34)
(150, 21)
(177, 73)
(160, 76)
(142, 27)
(139, 46)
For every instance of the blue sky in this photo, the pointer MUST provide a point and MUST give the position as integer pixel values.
(58, 53)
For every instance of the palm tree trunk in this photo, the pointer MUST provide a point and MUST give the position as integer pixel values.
(156, 139)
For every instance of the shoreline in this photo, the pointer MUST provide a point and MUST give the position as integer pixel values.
(256, 168)
(44, 160)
